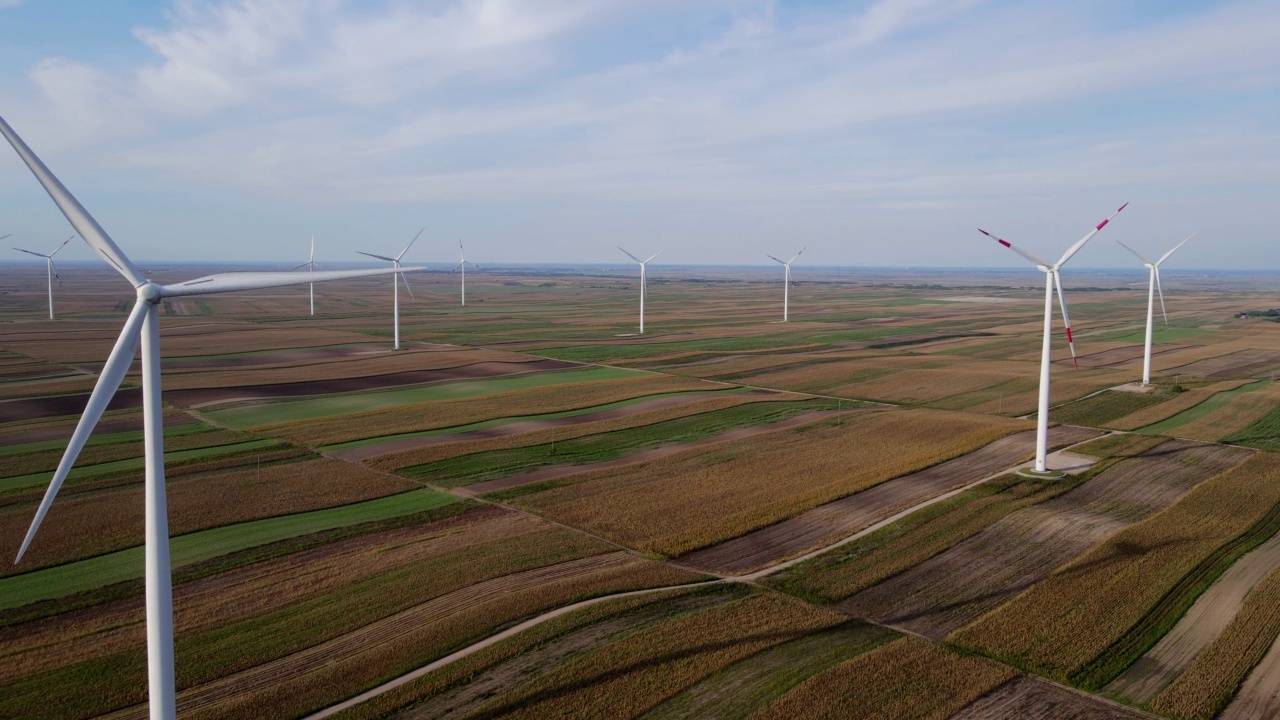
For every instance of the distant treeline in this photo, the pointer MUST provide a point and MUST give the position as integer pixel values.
(1273, 315)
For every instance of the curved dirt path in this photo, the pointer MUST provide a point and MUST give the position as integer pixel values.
(1202, 624)
(556, 471)
(519, 427)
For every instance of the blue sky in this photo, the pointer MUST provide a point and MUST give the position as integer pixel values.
(875, 133)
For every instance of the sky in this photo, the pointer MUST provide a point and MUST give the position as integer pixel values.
(874, 133)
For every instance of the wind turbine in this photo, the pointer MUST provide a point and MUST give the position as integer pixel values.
(644, 282)
(53, 272)
(143, 324)
(1051, 278)
(310, 265)
(1153, 286)
(395, 282)
(786, 280)
(462, 266)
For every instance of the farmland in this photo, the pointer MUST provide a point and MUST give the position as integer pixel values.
(820, 513)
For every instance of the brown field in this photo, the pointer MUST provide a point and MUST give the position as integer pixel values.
(86, 524)
(37, 408)
(1213, 678)
(61, 428)
(697, 499)
(908, 679)
(1243, 411)
(404, 452)
(47, 460)
(1093, 601)
(953, 589)
(841, 518)
(1241, 362)
(1182, 401)
(1026, 697)
(412, 418)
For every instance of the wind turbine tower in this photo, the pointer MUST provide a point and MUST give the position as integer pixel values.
(786, 280)
(395, 282)
(1051, 278)
(644, 281)
(310, 265)
(143, 327)
(462, 267)
(53, 272)
(1153, 286)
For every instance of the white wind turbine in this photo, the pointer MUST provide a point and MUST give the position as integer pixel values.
(644, 281)
(53, 272)
(462, 267)
(143, 323)
(1051, 278)
(310, 265)
(786, 280)
(395, 282)
(1153, 287)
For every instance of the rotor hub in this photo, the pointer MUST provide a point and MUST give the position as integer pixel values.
(149, 293)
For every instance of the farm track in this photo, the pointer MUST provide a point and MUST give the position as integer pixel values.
(816, 527)
(1028, 697)
(1202, 624)
(951, 590)
(350, 646)
(557, 471)
(363, 452)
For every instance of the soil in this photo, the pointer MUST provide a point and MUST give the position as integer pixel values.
(1026, 697)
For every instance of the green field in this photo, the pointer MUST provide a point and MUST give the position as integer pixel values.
(1216, 402)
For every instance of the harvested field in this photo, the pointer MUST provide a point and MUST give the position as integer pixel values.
(105, 449)
(1120, 355)
(102, 522)
(205, 396)
(59, 431)
(1263, 433)
(906, 679)
(1105, 407)
(1238, 410)
(1202, 624)
(1026, 697)
(840, 518)
(552, 472)
(953, 589)
(1180, 402)
(35, 408)
(1242, 663)
(697, 499)
(403, 445)
(465, 411)
(409, 353)
(1115, 602)
(1241, 362)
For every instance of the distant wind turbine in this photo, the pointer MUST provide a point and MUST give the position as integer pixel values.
(462, 267)
(143, 325)
(1153, 286)
(786, 280)
(1051, 278)
(395, 282)
(310, 265)
(644, 281)
(53, 272)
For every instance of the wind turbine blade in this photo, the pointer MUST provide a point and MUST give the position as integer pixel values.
(5, 235)
(312, 258)
(64, 244)
(406, 285)
(1160, 290)
(411, 242)
(75, 213)
(774, 259)
(299, 267)
(1174, 250)
(228, 282)
(1135, 253)
(32, 252)
(651, 257)
(793, 258)
(54, 268)
(1088, 236)
(633, 257)
(1034, 260)
(380, 257)
(109, 379)
(457, 267)
(1066, 319)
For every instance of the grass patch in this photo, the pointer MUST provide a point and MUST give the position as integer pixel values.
(1108, 405)
(1263, 434)
(1216, 402)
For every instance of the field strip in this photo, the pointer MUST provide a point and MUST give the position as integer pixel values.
(89, 574)
(1216, 402)
(35, 408)
(1202, 624)
(500, 427)
(350, 645)
(1031, 697)
(1259, 696)
(851, 513)
(271, 413)
(557, 471)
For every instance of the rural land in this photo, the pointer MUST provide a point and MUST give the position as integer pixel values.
(531, 510)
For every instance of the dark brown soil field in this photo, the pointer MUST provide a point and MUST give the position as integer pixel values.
(1120, 355)
(827, 523)
(58, 405)
(281, 357)
(1236, 363)
(1026, 697)
(952, 589)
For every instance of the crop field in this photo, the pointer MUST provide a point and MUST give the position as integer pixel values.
(459, 529)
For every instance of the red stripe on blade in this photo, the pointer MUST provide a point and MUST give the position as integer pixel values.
(1103, 224)
(1003, 242)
